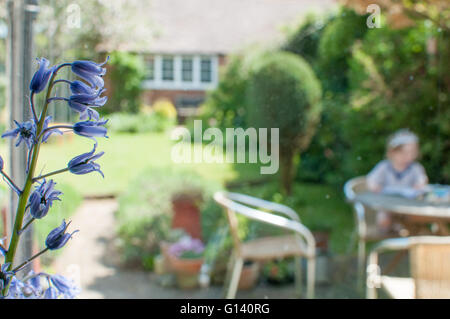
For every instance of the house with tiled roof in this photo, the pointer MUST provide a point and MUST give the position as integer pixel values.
(192, 39)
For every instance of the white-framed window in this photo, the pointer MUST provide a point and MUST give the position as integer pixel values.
(187, 69)
(205, 69)
(181, 72)
(168, 73)
(149, 68)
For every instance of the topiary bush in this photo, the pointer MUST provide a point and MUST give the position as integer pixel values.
(285, 93)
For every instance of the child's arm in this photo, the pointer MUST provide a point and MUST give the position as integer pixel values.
(375, 178)
(421, 178)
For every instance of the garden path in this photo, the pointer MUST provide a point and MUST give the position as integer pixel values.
(91, 259)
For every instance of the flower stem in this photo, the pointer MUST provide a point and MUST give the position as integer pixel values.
(23, 198)
(50, 174)
(10, 181)
(26, 225)
(62, 81)
(33, 109)
(18, 268)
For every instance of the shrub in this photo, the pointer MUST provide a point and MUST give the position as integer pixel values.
(139, 123)
(226, 105)
(285, 93)
(145, 210)
(305, 39)
(396, 84)
(126, 76)
(165, 109)
(335, 49)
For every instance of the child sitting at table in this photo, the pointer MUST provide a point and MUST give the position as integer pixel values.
(399, 173)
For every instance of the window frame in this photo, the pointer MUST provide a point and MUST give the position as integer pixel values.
(172, 59)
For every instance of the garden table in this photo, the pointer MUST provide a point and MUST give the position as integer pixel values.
(416, 209)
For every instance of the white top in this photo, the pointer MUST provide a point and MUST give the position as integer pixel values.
(384, 176)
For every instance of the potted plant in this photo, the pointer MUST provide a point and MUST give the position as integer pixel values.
(185, 259)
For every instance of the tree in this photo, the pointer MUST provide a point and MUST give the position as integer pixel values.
(284, 93)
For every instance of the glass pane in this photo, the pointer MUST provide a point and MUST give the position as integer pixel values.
(167, 69)
(205, 70)
(186, 69)
(149, 68)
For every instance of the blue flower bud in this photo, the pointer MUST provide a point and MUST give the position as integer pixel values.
(41, 76)
(58, 237)
(90, 71)
(90, 129)
(84, 163)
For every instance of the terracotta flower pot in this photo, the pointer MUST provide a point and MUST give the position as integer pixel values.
(322, 240)
(184, 265)
(249, 276)
(186, 214)
(186, 271)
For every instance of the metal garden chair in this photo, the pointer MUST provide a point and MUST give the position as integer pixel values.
(300, 244)
(365, 221)
(429, 263)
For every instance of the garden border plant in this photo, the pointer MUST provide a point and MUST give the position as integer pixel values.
(145, 210)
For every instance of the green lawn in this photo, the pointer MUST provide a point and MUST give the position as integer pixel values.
(126, 156)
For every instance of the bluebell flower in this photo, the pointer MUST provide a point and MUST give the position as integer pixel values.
(58, 237)
(79, 87)
(51, 293)
(83, 103)
(65, 286)
(35, 283)
(90, 129)
(1, 164)
(50, 131)
(15, 288)
(26, 132)
(84, 163)
(90, 71)
(42, 198)
(41, 76)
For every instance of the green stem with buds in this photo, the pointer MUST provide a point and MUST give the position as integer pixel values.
(23, 198)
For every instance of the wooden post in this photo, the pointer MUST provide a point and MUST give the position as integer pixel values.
(19, 69)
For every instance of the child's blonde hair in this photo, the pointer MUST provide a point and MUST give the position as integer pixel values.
(400, 138)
